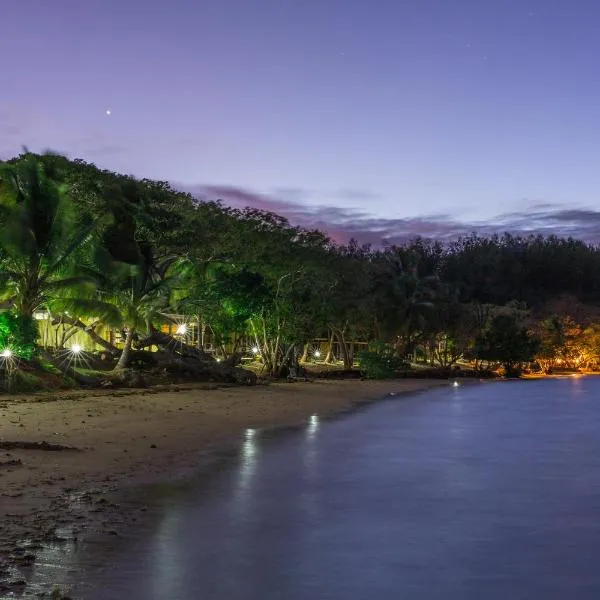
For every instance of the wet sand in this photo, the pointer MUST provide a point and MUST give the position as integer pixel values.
(120, 438)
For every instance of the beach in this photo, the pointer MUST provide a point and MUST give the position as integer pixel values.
(61, 454)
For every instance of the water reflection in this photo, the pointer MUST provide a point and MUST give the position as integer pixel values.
(464, 493)
(168, 563)
(248, 461)
(248, 458)
(312, 427)
(310, 456)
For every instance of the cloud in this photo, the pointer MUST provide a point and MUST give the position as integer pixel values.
(356, 195)
(343, 224)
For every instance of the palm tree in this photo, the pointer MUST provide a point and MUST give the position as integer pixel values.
(42, 245)
(142, 293)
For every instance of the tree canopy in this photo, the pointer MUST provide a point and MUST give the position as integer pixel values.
(89, 244)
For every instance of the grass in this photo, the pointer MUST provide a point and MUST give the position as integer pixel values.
(35, 376)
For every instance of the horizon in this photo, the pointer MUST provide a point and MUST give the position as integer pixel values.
(414, 119)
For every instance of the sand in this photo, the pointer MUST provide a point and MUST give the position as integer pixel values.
(123, 438)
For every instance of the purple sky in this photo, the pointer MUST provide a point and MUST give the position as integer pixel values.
(380, 118)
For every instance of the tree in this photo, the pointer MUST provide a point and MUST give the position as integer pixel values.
(46, 251)
(506, 342)
(450, 328)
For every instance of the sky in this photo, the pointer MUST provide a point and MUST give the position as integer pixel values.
(378, 119)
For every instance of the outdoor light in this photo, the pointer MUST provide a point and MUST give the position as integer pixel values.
(317, 354)
(218, 360)
(181, 329)
(75, 348)
(6, 353)
(255, 350)
(455, 384)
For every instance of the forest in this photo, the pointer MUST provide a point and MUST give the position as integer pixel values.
(93, 250)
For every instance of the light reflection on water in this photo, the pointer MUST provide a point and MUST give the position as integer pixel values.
(168, 564)
(461, 493)
(312, 427)
(248, 460)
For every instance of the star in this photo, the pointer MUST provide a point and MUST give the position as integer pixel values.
(108, 113)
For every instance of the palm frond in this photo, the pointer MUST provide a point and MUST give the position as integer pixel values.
(69, 283)
(80, 238)
(106, 312)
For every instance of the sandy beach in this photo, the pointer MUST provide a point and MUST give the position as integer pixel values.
(61, 454)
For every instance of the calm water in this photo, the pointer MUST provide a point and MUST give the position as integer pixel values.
(478, 492)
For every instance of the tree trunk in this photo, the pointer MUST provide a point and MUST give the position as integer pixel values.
(329, 358)
(170, 344)
(199, 333)
(348, 361)
(123, 361)
(97, 339)
(304, 357)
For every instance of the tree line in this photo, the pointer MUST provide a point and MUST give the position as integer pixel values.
(95, 248)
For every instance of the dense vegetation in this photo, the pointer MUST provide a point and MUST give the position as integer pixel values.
(94, 248)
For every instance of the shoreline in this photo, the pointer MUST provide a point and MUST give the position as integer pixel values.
(93, 444)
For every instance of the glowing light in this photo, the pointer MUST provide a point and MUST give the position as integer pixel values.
(219, 359)
(250, 433)
(6, 353)
(455, 384)
(255, 350)
(317, 354)
(76, 348)
(181, 329)
(108, 113)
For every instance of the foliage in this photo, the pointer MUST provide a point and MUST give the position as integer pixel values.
(380, 361)
(45, 247)
(18, 333)
(506, 342)
(99, 249)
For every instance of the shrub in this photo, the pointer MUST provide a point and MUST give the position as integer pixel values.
(380, 361)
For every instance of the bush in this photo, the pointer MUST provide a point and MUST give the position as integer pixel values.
(19, 334)
(380, 361)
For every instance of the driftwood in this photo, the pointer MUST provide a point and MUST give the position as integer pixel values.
(208, 370)
(22, 445)
(170, 344)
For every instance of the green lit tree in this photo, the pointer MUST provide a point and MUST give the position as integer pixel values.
(46, 252)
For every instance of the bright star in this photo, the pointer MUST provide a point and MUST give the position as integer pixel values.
(108, 113)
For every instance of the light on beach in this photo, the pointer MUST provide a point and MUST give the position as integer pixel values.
(76, 348)
(181, 329)
(255, 350)
(6, 353)
(455, 384)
